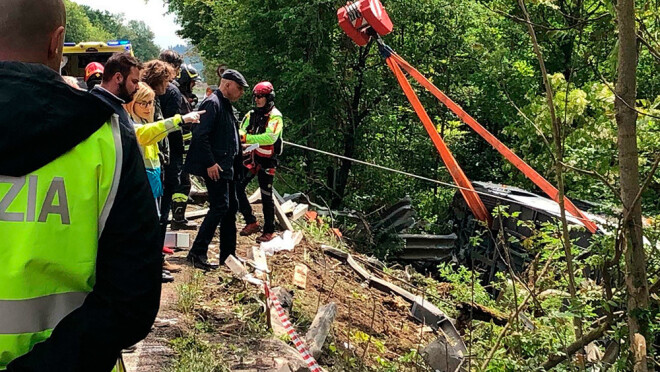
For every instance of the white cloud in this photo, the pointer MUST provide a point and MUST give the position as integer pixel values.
(152, 13)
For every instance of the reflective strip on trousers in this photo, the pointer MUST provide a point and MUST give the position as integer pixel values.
(37, 314)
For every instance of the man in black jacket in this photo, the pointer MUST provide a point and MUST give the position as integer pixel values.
(54, 124)
(212, 155)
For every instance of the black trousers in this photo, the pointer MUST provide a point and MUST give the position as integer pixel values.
(222, 212)
(175, 182)
(266, 187)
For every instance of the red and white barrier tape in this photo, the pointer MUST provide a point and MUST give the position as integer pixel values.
(300, 344)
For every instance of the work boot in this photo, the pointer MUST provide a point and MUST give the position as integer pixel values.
(171, 267)
(250, 229)
(266, 237)
(167, 277)
(200, 262)
(179, 221)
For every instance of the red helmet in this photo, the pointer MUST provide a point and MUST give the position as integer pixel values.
(93, 69)
(265, 88)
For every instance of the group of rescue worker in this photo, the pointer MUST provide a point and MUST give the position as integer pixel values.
(88, 180)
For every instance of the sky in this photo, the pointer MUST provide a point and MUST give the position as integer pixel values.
(152, 13)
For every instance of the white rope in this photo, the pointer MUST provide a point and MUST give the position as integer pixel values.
(408, 174)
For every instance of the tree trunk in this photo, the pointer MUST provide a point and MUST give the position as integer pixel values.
(626, 118)
(341, 180)
(355, 118)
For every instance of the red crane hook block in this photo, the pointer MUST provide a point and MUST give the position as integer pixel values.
(358, 19)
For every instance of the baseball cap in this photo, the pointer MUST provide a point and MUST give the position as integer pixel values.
(235, 76)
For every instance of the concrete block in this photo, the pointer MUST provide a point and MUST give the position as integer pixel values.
(177, 240)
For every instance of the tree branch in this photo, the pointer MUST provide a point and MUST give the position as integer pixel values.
(648, 46)
(596, 175)
(578, 345)
(556, 133)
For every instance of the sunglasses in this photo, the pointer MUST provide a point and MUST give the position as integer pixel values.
(145, 104)
(259, 96)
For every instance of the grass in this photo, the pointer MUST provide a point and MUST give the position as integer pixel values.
(196, 355)
(189, 292)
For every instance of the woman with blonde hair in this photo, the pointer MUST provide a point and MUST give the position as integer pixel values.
(149, 133)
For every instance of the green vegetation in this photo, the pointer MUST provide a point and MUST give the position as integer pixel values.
(189, 292)
(194, 354)
(343, 99)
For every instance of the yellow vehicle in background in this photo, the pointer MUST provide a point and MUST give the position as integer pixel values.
(76, 57)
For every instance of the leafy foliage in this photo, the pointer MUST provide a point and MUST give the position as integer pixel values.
(343, 99)
(87, 24)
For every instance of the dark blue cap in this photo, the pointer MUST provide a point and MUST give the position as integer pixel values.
(235, 76)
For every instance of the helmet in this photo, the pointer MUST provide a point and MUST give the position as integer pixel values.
(93, 69)
(188, 73)
(265, 88)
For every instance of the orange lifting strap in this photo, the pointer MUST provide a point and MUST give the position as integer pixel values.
(471, 197)
(473, 200)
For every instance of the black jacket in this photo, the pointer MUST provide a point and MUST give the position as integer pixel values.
(53, 118)
(171, 103)
(215, 138)
(116, 104)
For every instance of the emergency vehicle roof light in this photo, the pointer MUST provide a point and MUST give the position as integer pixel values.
(118, 42)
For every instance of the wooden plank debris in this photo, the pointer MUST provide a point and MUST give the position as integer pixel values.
(281, 216)
(197, 214)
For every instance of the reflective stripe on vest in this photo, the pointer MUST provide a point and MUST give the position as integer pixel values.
(50, 223)
(265, 151)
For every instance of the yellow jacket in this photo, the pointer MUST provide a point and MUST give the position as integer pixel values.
(149, 134)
